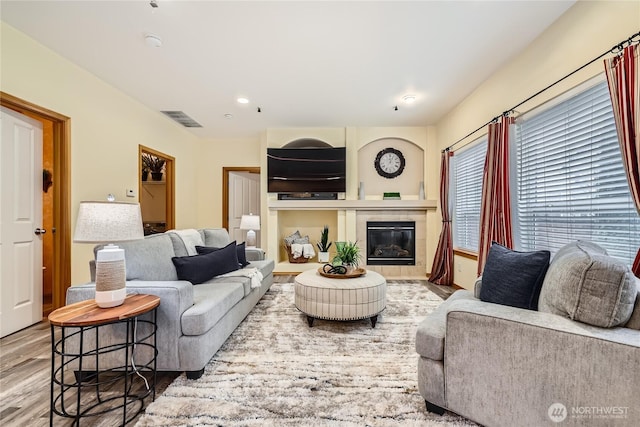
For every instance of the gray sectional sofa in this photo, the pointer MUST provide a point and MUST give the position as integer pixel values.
(193, 321)
(504, 366)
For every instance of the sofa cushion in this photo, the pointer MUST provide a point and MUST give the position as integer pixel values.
(211, 302)
(216, 237)
(513, 278)
(634, 320)
(240, 252)
(148, 258)
(200, 268)
(585, 284)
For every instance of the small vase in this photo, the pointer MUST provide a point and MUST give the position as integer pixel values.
(421, 191)
(145, 175)
(361, 195)
(156, 176)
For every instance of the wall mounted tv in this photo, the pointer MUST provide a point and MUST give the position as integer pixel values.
(306, 170)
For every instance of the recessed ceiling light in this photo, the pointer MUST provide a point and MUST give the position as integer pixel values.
(243, 101)
(409, 99)
(228, 116)
(152, 40)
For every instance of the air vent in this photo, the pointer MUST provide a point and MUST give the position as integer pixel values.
(182, 118)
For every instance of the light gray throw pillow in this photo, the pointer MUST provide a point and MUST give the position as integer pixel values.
(585, 284)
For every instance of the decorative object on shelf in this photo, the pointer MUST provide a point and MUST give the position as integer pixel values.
(154, 164)
(105, 222)
(389, 163)
(347, 254)
(361, 195)
(250, 222)
(421, 191)
(340, 272)
(145, 173)
(323, 245)
(391, 196)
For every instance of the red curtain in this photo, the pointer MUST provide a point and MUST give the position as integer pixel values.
(624, 88)
(442, 268)
(495, 205)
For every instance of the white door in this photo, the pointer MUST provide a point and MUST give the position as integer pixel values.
(244, 198)
(20, 216)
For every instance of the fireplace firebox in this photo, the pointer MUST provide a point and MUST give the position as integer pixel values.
(391, 243)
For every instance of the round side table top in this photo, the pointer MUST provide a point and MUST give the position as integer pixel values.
(87, 313)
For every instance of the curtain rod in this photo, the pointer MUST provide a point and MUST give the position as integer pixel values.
(615, 49)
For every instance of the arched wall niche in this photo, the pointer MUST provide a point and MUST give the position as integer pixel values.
(407, 184)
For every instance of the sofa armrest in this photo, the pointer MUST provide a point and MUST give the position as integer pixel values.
(552, 322)
(175, 298)
(515, 355)
(254, 254)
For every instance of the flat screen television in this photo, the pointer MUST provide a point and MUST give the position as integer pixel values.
(306, 170)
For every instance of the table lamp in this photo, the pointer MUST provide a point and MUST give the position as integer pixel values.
(250, 222)
(106, 222)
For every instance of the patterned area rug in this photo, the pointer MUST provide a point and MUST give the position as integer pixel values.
(276, 371)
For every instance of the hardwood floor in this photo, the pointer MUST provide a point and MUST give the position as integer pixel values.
(25, 374)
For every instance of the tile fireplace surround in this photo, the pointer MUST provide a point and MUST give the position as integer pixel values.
(349, 219)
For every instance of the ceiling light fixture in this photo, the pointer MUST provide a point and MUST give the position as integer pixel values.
(228, 116)
(242, 100)
(152, 40)
(153, 3)
(409, 99)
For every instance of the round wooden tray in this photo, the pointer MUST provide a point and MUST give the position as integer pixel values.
(350, 275)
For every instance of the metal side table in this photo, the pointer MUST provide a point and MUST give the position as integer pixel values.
(76, 353)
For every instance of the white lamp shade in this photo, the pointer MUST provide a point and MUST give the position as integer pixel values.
(102, 222)
(250, 222)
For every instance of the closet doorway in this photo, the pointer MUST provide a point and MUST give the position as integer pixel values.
(156, 189)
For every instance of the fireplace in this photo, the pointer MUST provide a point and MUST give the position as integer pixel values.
(391, 243)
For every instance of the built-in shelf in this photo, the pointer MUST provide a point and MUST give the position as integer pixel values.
(421, 205)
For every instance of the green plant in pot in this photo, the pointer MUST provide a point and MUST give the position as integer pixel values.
(323, 245)
(347, 254)
(154, 164)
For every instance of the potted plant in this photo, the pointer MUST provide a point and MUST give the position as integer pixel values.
(323, 245)
(347, 254)
(145, 172)
(154, 164)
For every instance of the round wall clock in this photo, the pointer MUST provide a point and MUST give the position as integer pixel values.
(389, 163)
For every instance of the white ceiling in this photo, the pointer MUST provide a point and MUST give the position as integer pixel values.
(308, 64)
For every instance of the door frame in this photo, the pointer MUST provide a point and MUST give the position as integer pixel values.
(225, 189)
(62, 193)
(169, 168)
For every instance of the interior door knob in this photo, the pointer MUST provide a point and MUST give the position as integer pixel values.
(40, 231)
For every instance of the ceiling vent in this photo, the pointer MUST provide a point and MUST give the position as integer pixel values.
(182, 118)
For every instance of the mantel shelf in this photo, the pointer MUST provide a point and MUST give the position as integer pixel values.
(368, 205)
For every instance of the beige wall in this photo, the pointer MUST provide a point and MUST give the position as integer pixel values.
(216, 154)
(584, 32)
(106, 128)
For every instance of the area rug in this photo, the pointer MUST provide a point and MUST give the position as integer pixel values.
(275, 370)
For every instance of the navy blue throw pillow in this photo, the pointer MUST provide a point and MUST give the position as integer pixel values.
(514, 278)
(240, 252)
(200, 268)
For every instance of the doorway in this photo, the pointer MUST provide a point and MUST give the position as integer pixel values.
(240, 196)
(156, 189)
(57, 203)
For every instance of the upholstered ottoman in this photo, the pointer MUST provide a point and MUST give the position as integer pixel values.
(326, 298)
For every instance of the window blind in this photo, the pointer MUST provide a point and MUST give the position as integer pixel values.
(570, 180)
(468, 166)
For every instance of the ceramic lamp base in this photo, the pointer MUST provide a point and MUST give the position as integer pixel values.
(251, 239)
(110, 277)
(108, 299)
